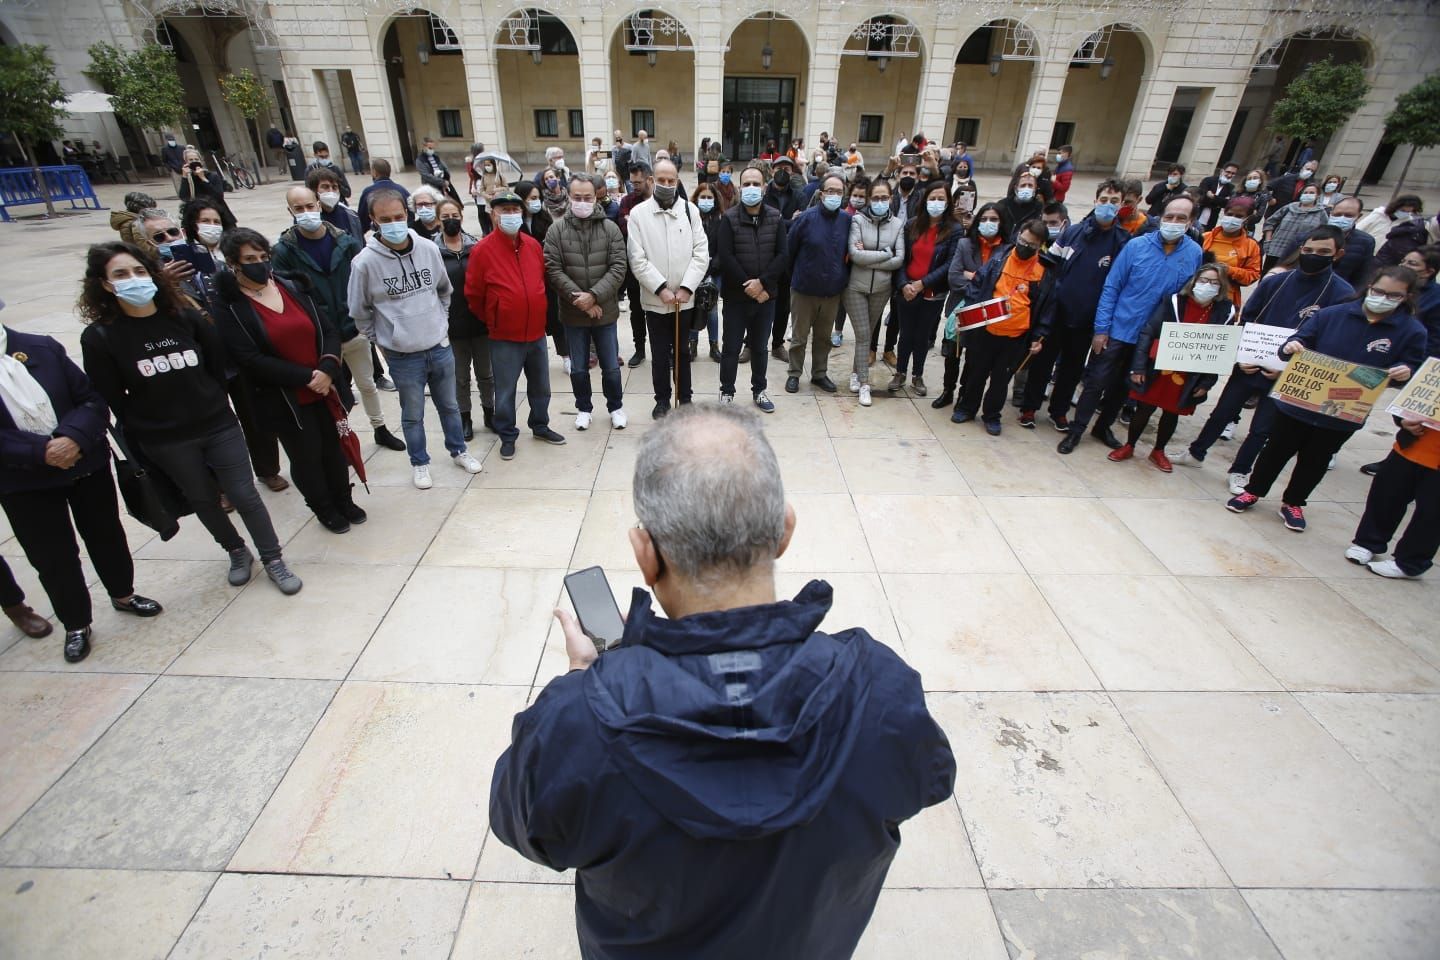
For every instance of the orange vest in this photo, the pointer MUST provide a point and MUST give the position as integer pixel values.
(1016, 278)
(1425, 450)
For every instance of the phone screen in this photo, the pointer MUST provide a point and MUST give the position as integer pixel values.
(908, 158)
(197, 257)
(595, 606)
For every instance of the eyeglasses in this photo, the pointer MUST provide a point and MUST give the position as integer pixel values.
(1021, 245)
(1392, 297)
(161, 235)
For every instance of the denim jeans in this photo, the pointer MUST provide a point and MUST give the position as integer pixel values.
(508, 359)
(607, 351)
(412, 372)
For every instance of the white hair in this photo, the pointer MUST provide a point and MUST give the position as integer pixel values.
(435, 195)
(552, 152)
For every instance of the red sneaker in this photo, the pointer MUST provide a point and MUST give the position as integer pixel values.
(1162, 462)
(1122, 452)
(1027, 419)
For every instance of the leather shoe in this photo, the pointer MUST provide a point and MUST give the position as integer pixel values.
(1107, 437)
(138, 605)
(353, 513)
(384, 438)
(636, 358)
(792, 384)
(944, 400)
(30, 623)
(276, 483)
(1068, 444)
(824, 383)
(333, 521)
(77, 645)
(1370, 469)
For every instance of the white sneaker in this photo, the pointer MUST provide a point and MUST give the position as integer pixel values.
(582, 420)
(466, 462)
(1237, 483)
(1182, 458)
(864, 394)
(1391, 569)
(854, 383)
(565, 362)
(1358, 554)
(727, 398)
(618, 419)
(422, 476)
(1334, 459)
(1228, 433)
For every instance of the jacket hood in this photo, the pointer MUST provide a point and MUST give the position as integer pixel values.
(118, 218)
(738, 723)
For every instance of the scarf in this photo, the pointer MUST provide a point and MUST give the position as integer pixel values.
(27, 401)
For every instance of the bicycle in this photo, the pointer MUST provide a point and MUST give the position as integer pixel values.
(233, 169)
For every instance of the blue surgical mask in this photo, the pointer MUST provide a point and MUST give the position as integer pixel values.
(879, 207)
(1381, 305)
(832, 202)
(394, 232)
(1053, 230)
(724, 178)
(164, 250)
(1025, 194)
(1344, 223)
(751, 195)
(989, 228)
(309, 220)
(1106, 212)
(425, 214)
(533, 206)
(510, 222)
(706, 204)
(935, 207)
(1172, 231)
(136, 291)
(1252, 184)
(1231, 224)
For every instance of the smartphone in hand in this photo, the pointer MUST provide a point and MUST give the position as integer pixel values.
(595, 607)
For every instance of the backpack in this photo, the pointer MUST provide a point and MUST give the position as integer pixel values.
(274, 139)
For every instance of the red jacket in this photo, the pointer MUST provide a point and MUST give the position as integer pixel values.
(505, 286)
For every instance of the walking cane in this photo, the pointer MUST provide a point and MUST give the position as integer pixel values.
(675, 373)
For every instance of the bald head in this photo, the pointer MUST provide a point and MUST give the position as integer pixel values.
(299, 198)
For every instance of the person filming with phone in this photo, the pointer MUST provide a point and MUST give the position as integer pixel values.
(727, 780)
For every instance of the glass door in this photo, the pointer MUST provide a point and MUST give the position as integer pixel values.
(757, 110)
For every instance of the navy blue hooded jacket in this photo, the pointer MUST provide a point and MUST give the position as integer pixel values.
(1286, 300)
(1345, 333)
(819, 241)
(728, 785)
(1079, 280)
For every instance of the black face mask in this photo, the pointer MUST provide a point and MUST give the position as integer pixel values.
(451, 227)
(907, 183)
(256, 272)
(1024, 251)
(782, 178)
(1313, 263)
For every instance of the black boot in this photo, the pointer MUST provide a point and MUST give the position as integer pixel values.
(467, 429)
(388, 440)
(488, 418)
(944, 400)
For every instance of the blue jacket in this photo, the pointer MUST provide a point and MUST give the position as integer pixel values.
(1354, 263)
(818, 244)
(727, 784)
(1427, 311)
(1142, 275)
(1344, 332)
(1080, 279)
(80, 413)
(1286, 299)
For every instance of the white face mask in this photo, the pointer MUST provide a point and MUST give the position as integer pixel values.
(328, 199)
(1306, 174)
(1204, 292)
(209, 233)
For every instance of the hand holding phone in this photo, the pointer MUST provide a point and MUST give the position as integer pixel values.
(598, 613)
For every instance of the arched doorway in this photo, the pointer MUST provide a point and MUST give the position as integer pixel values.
(425, 69)
(1250, 139)
(989, 89)
(652, 79)
(538, 64)
(1101, 88)
(767, 66)
(879, 86)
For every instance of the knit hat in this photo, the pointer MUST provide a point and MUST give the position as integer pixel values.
(135, 201)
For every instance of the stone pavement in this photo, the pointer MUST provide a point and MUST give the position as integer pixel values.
(1180, 732)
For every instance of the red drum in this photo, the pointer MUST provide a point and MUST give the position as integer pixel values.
(982, 314)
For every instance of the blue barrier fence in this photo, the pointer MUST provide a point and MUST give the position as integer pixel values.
(18, 187)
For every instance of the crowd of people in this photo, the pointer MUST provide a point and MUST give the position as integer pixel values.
(213, 347)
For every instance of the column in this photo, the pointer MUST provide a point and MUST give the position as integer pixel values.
(709, 92)
(1042, 104)
(823, 87)
(482, 81)
(1349, 149)
(377, 115)
(932, 106)
(595, 98)
(1147, 124)
(1211, 128)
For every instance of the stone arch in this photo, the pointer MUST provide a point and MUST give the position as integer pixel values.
(989, 88)
(652, 76)
(538, 75)
(1103, 83)
(759, 102)
(878, 95)
(438, 107)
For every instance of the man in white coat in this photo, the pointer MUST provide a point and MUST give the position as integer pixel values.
(669, 257)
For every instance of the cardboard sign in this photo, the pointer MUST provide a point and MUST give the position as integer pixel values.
(1196, 348)
(1260, 345)
(1420, 397)
(1335, 388)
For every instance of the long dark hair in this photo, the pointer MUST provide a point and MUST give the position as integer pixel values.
(98, 305)
(190, 217)
(1405, 275)
(710, 188)
(974, 232)
(922, 221)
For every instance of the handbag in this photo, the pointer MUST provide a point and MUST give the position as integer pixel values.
(150, 496)
(707, 296)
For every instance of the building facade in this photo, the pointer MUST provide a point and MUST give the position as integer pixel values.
(1132, 85)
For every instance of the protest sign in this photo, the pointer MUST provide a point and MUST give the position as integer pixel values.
(1260, 345)
(1197, 348)
(1334, 388)
(1420, 398)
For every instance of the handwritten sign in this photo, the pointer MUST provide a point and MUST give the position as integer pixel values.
(1420, 398)
(1260, 345)
(1197, 348)
(1335, 388)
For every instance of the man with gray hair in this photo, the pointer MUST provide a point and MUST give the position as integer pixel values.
(727, 782)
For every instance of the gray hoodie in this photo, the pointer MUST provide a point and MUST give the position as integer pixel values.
(400, 301)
